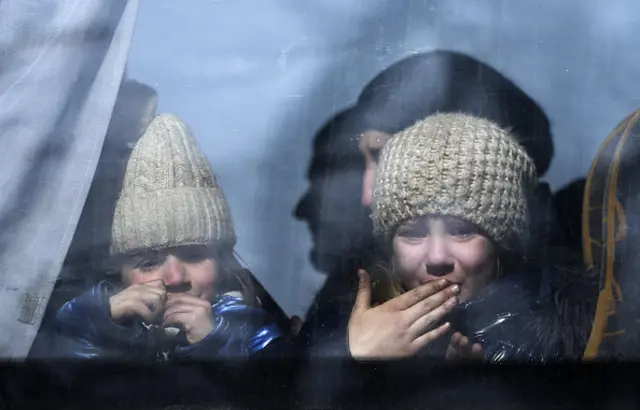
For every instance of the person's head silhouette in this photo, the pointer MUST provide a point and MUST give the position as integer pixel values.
(344, 164)
(330, 206)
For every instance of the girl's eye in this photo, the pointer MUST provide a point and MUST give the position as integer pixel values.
(193, 257)
(460, 229)
(462, 233)
(147, 265)
(412, 234)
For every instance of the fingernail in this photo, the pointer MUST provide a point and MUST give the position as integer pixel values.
(452, 301)
(443, 282)
(455, 289)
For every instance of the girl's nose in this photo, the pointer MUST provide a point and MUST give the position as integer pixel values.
(175, 273)
(438, 260)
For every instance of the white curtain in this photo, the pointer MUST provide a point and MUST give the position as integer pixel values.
(61, 64)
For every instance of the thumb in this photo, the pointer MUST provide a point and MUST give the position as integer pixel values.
(363, 297)
(157, 283)
(452, 352)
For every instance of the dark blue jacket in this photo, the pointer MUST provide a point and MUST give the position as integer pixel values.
(83, 328)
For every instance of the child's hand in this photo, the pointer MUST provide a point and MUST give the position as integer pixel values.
(142, 300)
(401, 326)
(191, 313)
(461, 348)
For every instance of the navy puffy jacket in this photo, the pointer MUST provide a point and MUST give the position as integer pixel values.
(83, 328)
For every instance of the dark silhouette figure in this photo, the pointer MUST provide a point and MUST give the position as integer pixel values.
(415, 87)
(445, 81)
(568, 207)
(331, 205)
(340, 227)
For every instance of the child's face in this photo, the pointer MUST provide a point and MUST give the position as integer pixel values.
(191, 270)
(431, 248)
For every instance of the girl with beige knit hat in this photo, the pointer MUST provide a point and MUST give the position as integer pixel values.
(450, 208)
(181, 291)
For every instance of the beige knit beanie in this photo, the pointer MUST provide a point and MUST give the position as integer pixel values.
(455, 165)
(170, 196)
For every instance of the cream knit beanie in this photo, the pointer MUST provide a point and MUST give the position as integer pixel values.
(455, 165)
(170, 196)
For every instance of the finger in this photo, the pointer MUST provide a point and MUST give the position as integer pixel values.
(182, 295)
(157, 284)
(196, 310)
(472, 352)
(464, 349)
(182, 308)
(452, 349)
(430, 336)
(152, 300)
(151, 295)
(451, 353)
(142, 310)
(464, 342)
(173, 299)
(363, 297)
(408, 299)
(455, 339)
(477, 351)
(185, 319)
(427, 305)
(152, 290)
(178, 294)
(425, 323)
(144, 289)
(185, 296)
(176, 318)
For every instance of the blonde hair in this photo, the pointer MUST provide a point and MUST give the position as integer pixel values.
(385, 282)
(236, 277)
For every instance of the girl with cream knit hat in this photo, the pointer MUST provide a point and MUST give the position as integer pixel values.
(181, 291)
(450, 208)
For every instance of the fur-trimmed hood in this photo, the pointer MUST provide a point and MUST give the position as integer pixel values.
(565, 312)
(515, 320)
